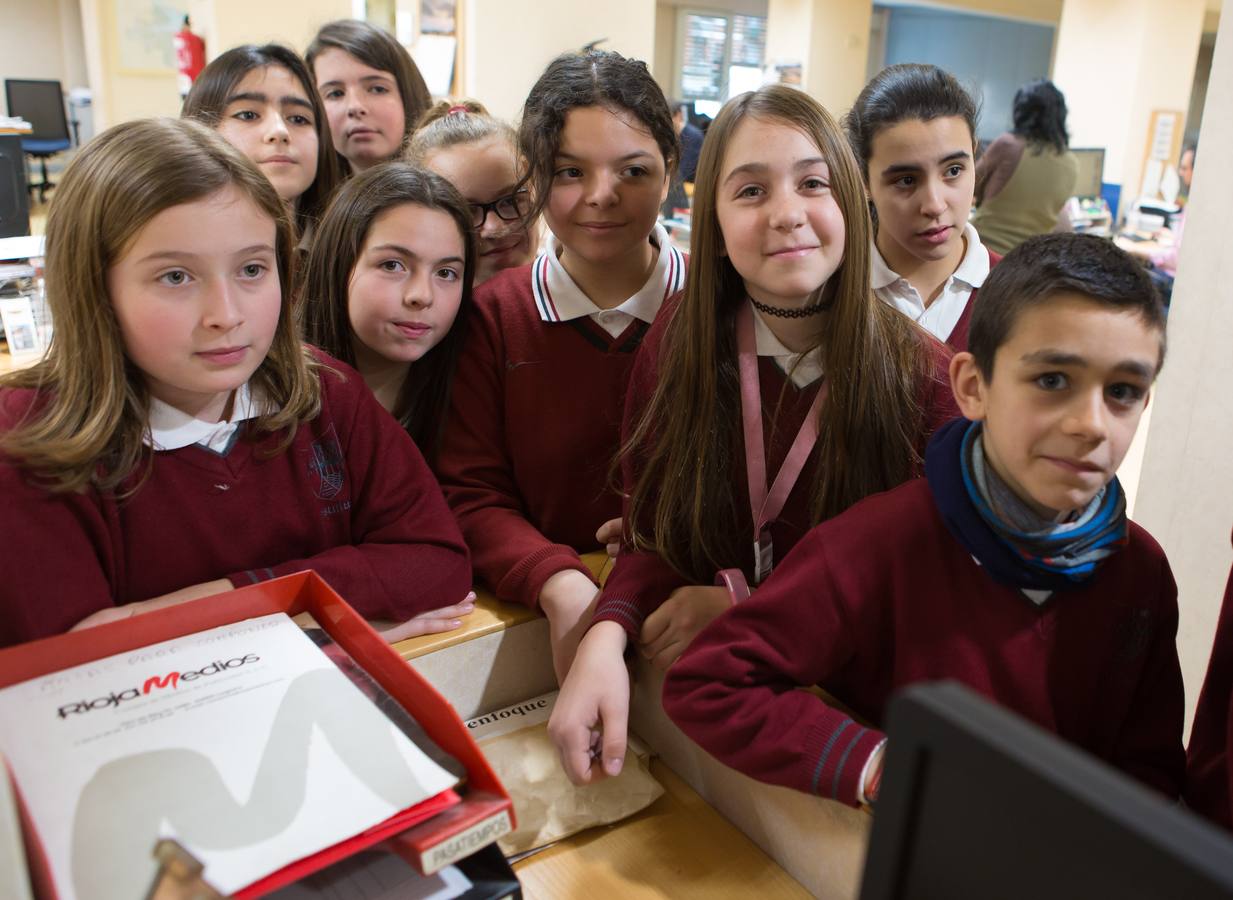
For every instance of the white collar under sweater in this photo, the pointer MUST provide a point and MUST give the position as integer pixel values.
(806, 372)
(941, 316)
(559, 299)
(171, 429)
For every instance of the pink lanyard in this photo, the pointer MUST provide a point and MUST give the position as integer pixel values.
(766, 506)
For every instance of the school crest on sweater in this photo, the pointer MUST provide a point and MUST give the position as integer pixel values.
(328, 464)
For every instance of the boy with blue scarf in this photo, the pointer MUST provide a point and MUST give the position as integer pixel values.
(1010, 567)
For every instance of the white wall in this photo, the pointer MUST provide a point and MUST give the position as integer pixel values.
(41, 40)
(508, 44)
(234, 22)
(1186, 489)
(1116, 61)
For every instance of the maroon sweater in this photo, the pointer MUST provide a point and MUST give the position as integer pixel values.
(1209, 777)
(641, 581)
(534, 424)
(350, 498)
(884, 596)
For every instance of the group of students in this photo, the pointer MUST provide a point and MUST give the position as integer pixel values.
(750, 435)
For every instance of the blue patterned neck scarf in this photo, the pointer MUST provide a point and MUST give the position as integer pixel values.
(1074, 548)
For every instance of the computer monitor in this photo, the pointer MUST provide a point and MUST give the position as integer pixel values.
(1091, 170)
(978, 803)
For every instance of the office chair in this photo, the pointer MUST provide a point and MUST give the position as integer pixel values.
(41, 103)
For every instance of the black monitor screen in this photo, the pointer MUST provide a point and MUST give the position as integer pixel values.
(41, 104)
(978, 803)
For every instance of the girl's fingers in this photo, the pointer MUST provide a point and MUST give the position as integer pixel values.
(614, 713)
(667, 655)
(574, 747)
(655, 625)
(420, 626)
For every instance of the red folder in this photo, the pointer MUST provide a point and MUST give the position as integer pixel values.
(484, 814)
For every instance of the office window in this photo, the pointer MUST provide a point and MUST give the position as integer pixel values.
(718, 55)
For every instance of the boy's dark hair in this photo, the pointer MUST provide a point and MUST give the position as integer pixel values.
(592, 78)
(378, 48)
(1050, 264)
(1040, 115)
(900, 93)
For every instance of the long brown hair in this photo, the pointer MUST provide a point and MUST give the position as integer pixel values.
(424, 397)
(379, 49)
(214, 87)
(92, 424)
(687, 442)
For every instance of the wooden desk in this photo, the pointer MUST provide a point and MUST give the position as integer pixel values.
(681, 846)
(678, 847)
(490, 616)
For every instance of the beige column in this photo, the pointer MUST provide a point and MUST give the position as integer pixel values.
(507, 45)
(830, 38)
(1186, 488)
(1116, 61)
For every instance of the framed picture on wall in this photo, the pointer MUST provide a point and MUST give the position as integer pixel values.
(144, 31)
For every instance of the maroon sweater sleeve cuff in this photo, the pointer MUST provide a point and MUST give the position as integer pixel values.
(524, 582)
(639, 583)
(836, 757)
(622, 610)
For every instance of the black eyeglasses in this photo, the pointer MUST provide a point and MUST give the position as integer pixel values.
(508, 209)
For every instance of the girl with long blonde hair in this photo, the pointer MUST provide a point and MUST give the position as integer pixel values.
(178, 440)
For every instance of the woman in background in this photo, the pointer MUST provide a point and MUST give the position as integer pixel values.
(1026, 176)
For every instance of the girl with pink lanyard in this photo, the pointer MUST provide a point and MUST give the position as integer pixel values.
(775, 392)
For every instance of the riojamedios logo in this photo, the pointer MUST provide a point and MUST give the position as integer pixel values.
(154, 682)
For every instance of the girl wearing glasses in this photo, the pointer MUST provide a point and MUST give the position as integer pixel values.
(478, 154)
(536, 415)
(388, 274)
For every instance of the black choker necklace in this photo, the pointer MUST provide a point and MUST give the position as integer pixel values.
(803, 312)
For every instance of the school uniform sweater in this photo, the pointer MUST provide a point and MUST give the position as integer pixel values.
(641, 580)
(948, 317)
(535, 419)
(885, 596)
(350, 498)
(1209, 777)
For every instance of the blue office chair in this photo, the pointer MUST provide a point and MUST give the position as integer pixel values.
(41, 103)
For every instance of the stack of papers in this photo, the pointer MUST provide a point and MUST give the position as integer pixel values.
(244, 743)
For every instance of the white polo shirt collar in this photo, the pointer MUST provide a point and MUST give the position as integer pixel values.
(171, 429)
(941, 316)
(559, 299)
(803, 369)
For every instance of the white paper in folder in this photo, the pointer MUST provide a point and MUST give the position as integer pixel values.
(245, 743)
(548, 806)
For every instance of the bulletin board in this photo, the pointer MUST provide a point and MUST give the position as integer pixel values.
(1162, 148)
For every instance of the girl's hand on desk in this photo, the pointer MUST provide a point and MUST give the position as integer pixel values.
(671, 628)
(609, 535)
(432, 621)
(128, 610)
(589, 721)
(568, 600)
